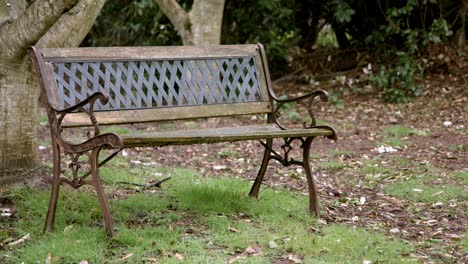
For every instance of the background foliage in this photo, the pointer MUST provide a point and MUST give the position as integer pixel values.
(400, 32)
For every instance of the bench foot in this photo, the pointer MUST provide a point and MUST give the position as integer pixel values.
(50, 218)
(266, 158)
(108, 223)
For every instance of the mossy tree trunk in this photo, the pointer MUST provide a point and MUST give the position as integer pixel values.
(44, 23)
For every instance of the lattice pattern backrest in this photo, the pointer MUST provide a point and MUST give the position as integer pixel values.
(159, 83)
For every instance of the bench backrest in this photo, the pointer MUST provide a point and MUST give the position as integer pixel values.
(183, 82)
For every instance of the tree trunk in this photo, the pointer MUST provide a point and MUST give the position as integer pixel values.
(200, 26)
(206, 18)
(18, 107)
(47, 24)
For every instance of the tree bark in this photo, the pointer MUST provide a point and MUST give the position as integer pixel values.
(48, 24)
(206, 18)
(22, 33)
(179, 18)
(200, 26)
(18, 107)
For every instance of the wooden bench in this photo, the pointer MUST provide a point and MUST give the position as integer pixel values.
(92, 87)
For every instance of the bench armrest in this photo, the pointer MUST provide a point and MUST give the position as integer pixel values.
(101, 96)
(95, 138)
(306, 101)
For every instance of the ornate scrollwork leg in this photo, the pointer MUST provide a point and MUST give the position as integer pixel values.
(50, 218)
(100, 191)
(286, 161)
(266, 158)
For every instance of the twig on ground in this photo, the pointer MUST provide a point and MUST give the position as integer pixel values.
(156, 184)
(19, 241)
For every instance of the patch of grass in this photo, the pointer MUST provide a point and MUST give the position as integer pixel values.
(374, 169)
(226, 153)
(198, 219)
(119, 130)
(397, 135)
(404, 131)
(331, 165)
(395, 142)
(340, 152)
(463, 175)
(42, 119)
(458, 147)
(423, 189)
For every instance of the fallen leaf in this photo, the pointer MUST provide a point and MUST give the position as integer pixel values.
(272, 244)
(294, 258)
(129, 255)
(178, 256)
(232, 229)
(250, 250)
(219, 167)
(154, 260)
(234, 259)
(48, 260)
(67, 228)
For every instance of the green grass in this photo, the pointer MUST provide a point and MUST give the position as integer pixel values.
(397, 135)
(227, 153)
(42, 119)
(404, 131)
(331, 165)
(340, 152)
(458, 147)
(426, 188)
(463, 175)
(202, 220)
(119, 130)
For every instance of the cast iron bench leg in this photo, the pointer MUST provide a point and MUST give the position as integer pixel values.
(313, 204)
(100, 192)
(50, 218)
(266, 158)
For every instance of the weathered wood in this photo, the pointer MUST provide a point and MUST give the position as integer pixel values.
(167, 114)
(148, 53)
(215, 135)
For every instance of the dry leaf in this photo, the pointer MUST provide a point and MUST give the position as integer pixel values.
(294, 258)
(129, 255)
(232, 229)
(48, 260)
(178, 256)
(250, 250)
(272, 244)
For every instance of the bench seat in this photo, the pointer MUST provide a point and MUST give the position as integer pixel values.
(215, 135)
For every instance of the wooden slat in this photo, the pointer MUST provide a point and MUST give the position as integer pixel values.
(167, 114)
(147, 53)
(214, 135)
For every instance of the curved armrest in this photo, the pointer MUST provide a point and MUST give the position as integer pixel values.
(323, 96)
(101, 96)
(305, 100)
(110, 140)
(94, 139)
